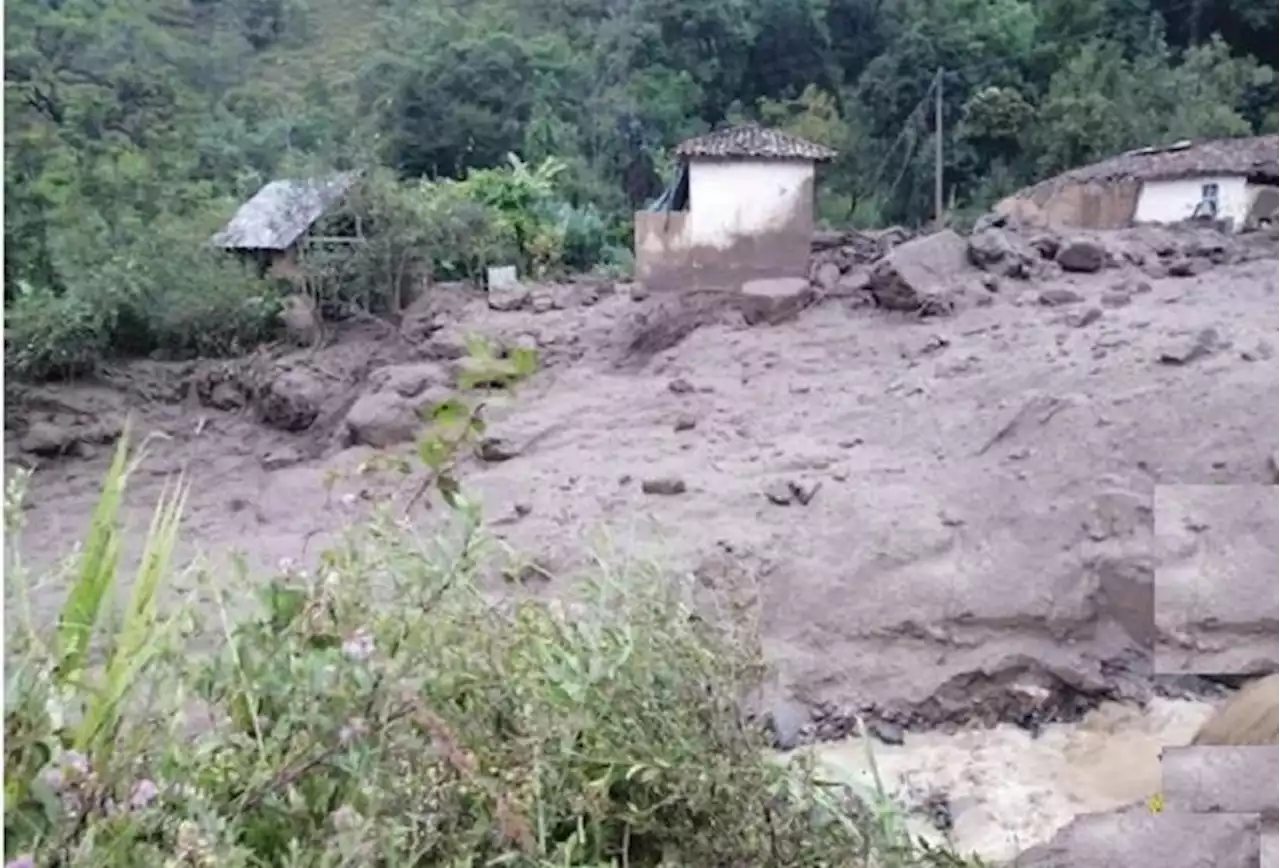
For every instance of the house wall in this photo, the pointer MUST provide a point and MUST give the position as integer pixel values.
(1176, 200)
(1263, 202)
(747, 219)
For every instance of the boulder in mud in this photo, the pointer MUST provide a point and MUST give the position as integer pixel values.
(774, 301)
(918, 271)
(382, 419)
(409, 381)
(63, 434)
(1138, 838)
(292, 400)
(49, 439)
(1082, 255)
(508, 297)
(1001, 252)
(826, 276)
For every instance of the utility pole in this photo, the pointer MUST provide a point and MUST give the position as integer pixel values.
(937, 147)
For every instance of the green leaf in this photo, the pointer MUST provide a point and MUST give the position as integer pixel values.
(434, 452)
(284, 604)
(449, 490)
(450, 412)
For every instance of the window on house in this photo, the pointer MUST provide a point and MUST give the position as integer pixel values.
(1208, 207)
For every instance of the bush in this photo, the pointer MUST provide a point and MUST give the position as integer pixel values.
(386, 713)
(585, 237)
(187, 301)
(49, 335)
(165, 295)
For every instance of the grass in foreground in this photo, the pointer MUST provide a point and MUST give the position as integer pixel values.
(433, 729)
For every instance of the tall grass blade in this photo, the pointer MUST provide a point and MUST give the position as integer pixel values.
(96, 576)
(135, 646)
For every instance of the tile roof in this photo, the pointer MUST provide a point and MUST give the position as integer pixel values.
(1239, 156)
(751, 141)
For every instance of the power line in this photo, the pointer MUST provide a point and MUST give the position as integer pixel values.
(911, 121)
(933, 89)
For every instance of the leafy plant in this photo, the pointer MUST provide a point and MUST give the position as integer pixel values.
(64, 717)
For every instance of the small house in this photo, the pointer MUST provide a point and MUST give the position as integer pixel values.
(274, 228)
(741, 209)
(1231, 182)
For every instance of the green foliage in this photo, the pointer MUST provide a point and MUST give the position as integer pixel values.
(47, 334)
(160, 293)
(147, 118)
(523, 198)
(64, 717)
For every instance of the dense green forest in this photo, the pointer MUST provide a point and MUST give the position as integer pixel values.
(135, 127)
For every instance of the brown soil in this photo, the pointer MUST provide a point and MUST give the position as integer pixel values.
(938, 516)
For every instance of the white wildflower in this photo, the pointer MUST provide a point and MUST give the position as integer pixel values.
(144, 792)
(358, 646)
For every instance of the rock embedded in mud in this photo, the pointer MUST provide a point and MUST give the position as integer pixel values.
(909, 278)
(888, 732)
(786, 492)
(1186, 267)
(1114, 298)
(1136, 837)
(408, 381)
(382, 419)
(1058, 296)
(1002, 252)
(685, 422)
(508, 297)
(664, 485)
(680, 386)
(1082, 255)
(1046, 245)
(1262, 351)
(446, 344)
(291, 401)
(1085, 318)
(225, 397)
(49, 439)
(277, 459)
(788, 720)
(1199, 345)
(773, 301)
(496, 449)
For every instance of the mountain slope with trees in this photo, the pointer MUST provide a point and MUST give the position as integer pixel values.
(135, 127)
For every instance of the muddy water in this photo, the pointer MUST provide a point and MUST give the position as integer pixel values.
(1007, 791)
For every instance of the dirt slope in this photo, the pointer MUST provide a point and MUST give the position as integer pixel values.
(940, 517)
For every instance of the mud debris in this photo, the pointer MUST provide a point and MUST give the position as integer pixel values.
(940, 518)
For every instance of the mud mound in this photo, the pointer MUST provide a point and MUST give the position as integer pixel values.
(667, 322)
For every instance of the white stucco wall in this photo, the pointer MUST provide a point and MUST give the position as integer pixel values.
(732, 198)
(1171, 201)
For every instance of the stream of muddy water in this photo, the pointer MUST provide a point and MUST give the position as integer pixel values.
(1005, 791)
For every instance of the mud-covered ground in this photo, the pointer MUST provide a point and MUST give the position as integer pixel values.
(942, 518)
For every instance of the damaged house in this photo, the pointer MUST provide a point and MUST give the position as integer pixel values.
(274, 229)
(1231, 182)
(741, 209)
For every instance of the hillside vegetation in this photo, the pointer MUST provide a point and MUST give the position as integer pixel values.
(135, 127)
